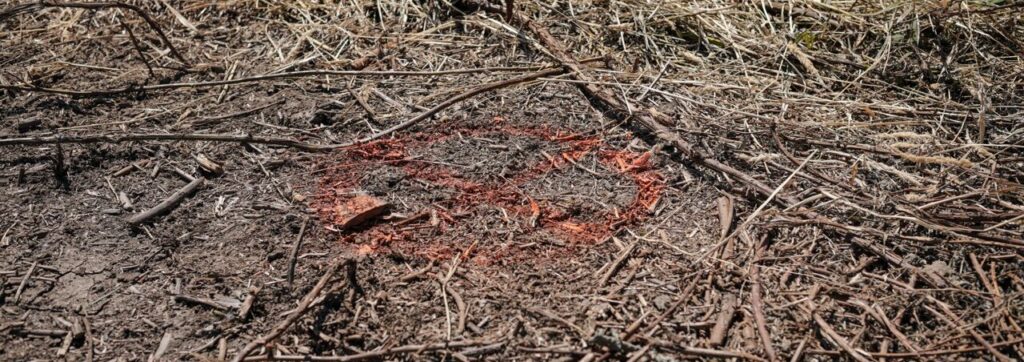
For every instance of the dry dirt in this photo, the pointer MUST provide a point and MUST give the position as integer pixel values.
(525, 223)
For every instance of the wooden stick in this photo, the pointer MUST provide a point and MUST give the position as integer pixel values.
(293, 257)
(110, 138)
(682, 300)
(617, 264)
(188, 299)
(250, 299)
(757, 303)
(954, 321)
(725, 317)
(168, 203)
(261, 78)
(827, 330)
(464, 95)
(706, 352)
(928, 353)
(299, 311)
(24, 281)
(103, 5)
(134, 137)
(881, 318)
(372, 355)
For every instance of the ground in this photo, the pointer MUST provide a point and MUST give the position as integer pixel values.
(852, 191)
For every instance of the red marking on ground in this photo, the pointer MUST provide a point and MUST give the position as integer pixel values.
(430, 239)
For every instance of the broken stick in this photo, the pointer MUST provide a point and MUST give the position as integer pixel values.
(299, 311)
(168, 203)
(725, 316)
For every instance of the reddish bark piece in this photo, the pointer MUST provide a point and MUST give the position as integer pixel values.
(358, 210)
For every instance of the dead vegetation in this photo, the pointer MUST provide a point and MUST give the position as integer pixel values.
(571, 180)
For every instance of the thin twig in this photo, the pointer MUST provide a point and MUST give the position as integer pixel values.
(262, 78)
(96, 6)
(294, 256)
(168, 203)
(298, 312)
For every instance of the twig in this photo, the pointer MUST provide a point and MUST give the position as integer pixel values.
(200, 301)
(757, 303)
(827, 330)
(168, 203)
(552, 316)
(954, 321)
(24, 281)
(134, 137)
(463, 309)
(725, 317)
(771, 196)
(298, 312)
(206, 121)
(264, 77)
(378, 354)
(294, 256)
(37, 140)
(138, 49)
(416, 274)
(705, 352)
(243, 312)
(362, 103)
(464, 95)
(88, 339)
(928, 353)
(101, 5)
(617, 264)
(683, 299)
(878, 315)
(165, 342)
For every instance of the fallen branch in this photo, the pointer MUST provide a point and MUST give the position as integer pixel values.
(134, 137)
(462, 96)
(97, 6)
(724, 321)
(168, 203)
(261, 78)
(39, 140)
(24, 282)
(704, 352)
(756, 301)
(617, 264)
(187, 299)
(294, 256)
(412, 348)
(827, 330)
(929, 353)
(296, 314)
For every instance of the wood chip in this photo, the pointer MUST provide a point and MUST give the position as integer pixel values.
(358, 210)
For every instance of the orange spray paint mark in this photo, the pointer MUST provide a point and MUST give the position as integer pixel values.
(434, 238)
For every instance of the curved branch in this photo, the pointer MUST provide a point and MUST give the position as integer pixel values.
(104, 5)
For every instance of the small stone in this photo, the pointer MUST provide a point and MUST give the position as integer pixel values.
(939, 268)
(662, 301)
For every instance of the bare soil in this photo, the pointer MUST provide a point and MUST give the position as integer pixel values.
(535, 221)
